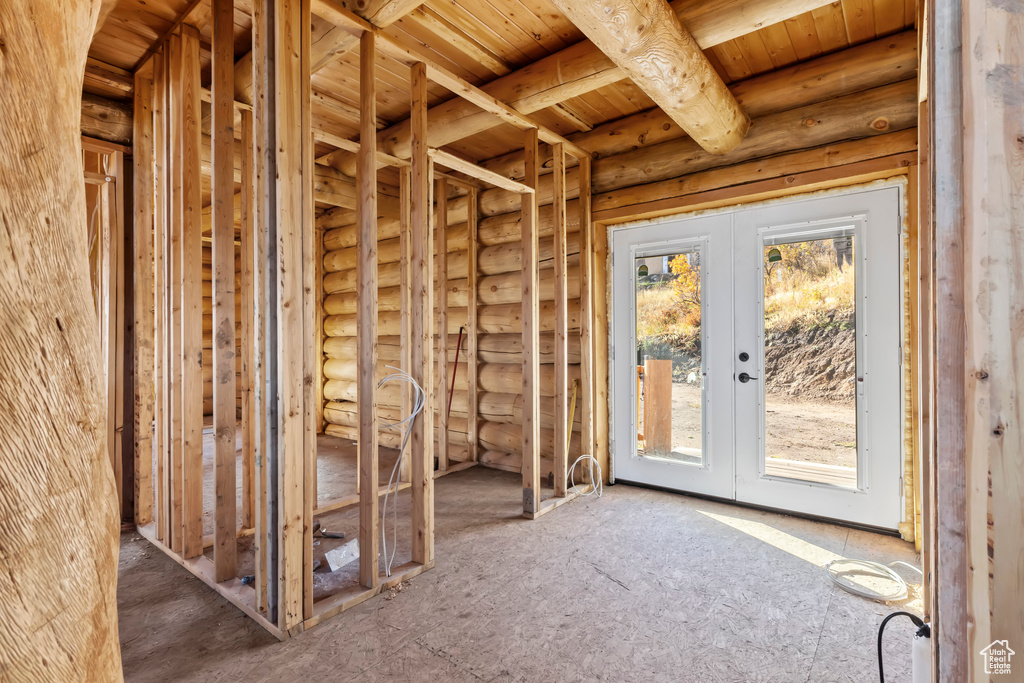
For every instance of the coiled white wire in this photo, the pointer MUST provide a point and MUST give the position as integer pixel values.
(857, 567)
(404, 426)
(598, 486)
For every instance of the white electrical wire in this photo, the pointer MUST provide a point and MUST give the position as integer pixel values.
(404, 426)
(598, 486)
(878, 569)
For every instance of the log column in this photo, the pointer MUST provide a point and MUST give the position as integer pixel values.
(54, 412)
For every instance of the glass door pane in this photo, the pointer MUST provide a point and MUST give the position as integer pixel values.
(670, 362)
(810, 360)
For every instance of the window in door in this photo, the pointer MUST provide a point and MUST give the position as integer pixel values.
(810, 359)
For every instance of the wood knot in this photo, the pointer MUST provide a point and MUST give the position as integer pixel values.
(809, 121)
(998, 431)
(881, 123)
(981, 374)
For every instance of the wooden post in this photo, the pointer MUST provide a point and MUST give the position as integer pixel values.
(310, 309)
(441, 301)
(472, 378)
(191, 293)
(531, 334)
(561, 414)
(405, 287)
(366, 341)
(977, 139)
(951, 581)
(142, 155)
(658, 405)
(246, 248)
(422, 324)
(292, 340)
(185, 282)
(161, 312)
(587, 294)
(223, 184)
(174, 281)
(264, 189)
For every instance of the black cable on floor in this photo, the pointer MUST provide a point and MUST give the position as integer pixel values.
(922, 629)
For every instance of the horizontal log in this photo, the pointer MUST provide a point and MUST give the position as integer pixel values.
(503, 437)
(784, 166)
(491, 407)
(491, 377)
(501, 258)
(512, 462)
(388, 439)
(106, 119)
(491, 348)
(493, 289)
(497, 318)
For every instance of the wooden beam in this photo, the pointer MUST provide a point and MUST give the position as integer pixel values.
(406, 298)
(383, 158)
(162, 403)
(531, 340)
(246, 277)
(264, 432)
(108, 78)
(422, 325)
(187, 198)
(587, 319)
(366, 346)
(143, 235)
(293, 334)
(647, 41)
(441, 302)
(455, 163)
(223, 191)
(472, 338)
(562, 429)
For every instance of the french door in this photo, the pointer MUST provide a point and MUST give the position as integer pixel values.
(756, 356)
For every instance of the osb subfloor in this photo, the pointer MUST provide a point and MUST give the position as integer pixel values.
(639, 585)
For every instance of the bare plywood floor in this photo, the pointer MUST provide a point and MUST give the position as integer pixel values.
(637, 586)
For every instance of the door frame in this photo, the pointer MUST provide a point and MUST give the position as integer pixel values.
(897, 183)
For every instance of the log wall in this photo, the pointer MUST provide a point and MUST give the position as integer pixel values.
(498, 297)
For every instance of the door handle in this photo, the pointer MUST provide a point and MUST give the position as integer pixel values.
(744, 377)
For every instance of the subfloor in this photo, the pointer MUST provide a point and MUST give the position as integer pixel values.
(638, 585)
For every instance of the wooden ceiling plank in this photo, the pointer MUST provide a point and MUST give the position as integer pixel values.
(859, 16)
(888, 16)
(780, 46)
(804, 36)
(755, 52)
(831, 27)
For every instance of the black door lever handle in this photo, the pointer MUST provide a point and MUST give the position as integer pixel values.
(744, 377)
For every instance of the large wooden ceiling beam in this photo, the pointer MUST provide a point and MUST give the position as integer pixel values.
(647, 41)
(582, 68)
